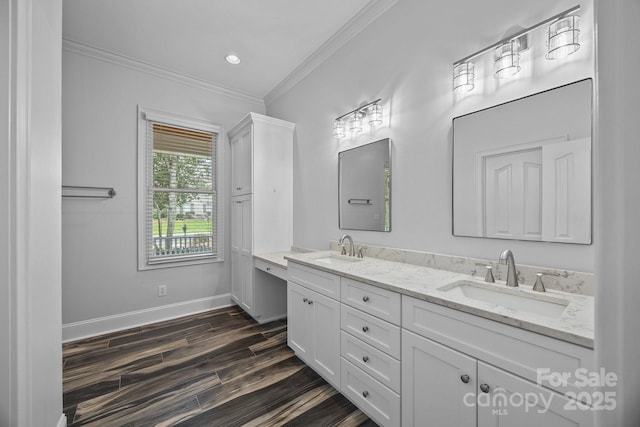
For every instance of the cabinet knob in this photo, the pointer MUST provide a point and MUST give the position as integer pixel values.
(305, 299)
(238, 188)
(465, 379)
(365, 359)
(484, 388)
(268, 268)
(365, 394)
(365, 329)
(309, 302)
(365, 299)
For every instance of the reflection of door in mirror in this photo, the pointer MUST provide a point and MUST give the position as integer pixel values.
(536, 193)
(507, 175)
(522, 170)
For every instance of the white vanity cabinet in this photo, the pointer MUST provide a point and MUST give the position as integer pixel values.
(261, 210)
(314, 320)
(408, 362)
(455, 372)
(370, 350)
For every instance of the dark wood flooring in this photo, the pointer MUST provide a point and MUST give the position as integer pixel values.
(218, 368)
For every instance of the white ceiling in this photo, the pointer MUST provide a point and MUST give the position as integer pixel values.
(192, 37)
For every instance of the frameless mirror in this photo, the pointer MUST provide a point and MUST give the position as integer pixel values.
(364, 187)
(522, 170)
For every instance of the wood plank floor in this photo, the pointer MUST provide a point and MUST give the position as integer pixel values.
(218, 368)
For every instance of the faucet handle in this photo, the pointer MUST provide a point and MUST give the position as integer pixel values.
(489, 276)
(539, 286)
(360, 254)
(343, 251)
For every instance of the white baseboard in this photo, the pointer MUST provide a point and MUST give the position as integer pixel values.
(62, 422)
(102, 325)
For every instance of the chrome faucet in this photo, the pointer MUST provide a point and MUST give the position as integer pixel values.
(352, 248)
(506, 257)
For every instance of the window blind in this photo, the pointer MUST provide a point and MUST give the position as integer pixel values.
(181, 199)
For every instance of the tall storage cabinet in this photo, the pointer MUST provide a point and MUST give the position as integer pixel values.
(261, 210)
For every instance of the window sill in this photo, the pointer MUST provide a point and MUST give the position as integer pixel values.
(171, 263)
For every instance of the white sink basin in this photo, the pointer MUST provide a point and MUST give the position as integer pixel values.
(509, 298)
(336, 259)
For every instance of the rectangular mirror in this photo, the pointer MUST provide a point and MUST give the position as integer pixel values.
(364, 187)
(522, 170)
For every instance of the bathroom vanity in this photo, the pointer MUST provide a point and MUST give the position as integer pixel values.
(416, 346)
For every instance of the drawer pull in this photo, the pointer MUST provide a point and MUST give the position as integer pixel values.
(365, 299)
(365, 329)
(365, 359)
(268, 268)
(465, 379)
(238, 188)
(305, 299)
(484, 388)
(365, 394)
(309, 302)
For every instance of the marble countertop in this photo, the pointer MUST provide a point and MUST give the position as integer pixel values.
(277, 258)
(574, 325)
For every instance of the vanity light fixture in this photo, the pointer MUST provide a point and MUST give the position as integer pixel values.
(355, 123)
(562, 40)
(463, 76)
(338, 129)
(355, 118)
(506, 59)
(375, 114)
(563, 37)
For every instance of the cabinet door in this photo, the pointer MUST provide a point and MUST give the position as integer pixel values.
(505, 400)
(241, 162)
(325, 326)
(241, 254)
(438, 384)
(246, 243)
(297, 320)
(236, 277)
(246, 273)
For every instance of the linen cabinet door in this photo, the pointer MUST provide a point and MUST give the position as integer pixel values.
(241, 167)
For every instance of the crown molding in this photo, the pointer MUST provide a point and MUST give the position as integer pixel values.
(145, 67)
(348, 31)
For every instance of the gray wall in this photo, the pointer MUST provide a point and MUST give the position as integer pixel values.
(618, 204)
(406, 58)
(99, 238)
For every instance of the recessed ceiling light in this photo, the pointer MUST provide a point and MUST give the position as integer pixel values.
(232, 58)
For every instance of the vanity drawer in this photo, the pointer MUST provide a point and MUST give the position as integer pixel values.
(270, 268)
(374, 399)
(512, 349)
(379, 302)
(379, 365)
(378, 333)
(320, 281)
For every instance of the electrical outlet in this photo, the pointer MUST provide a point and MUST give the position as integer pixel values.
(162, 290)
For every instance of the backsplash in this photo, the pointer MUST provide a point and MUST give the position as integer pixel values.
(567, 281)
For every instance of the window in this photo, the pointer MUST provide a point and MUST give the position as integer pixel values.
(177, 198)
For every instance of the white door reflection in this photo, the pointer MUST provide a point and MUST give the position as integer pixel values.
(535, 191)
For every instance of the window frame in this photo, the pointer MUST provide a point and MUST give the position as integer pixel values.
(146, 115)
